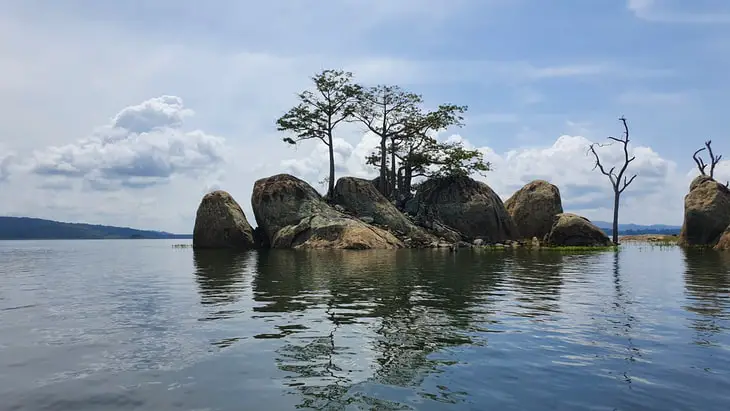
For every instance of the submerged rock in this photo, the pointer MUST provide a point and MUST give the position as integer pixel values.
(534, 207)
(292, 214)
(465, 205)
(573, 230)
(221, 223)
(706, 212)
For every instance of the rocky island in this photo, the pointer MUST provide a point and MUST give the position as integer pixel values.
(455, 211)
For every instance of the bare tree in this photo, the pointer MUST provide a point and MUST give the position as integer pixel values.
(619, 181)
(713, 159)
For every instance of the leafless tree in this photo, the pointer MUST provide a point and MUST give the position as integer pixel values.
(713, 159)
(619, 181)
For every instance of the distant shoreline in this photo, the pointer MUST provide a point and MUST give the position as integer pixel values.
(28, 228)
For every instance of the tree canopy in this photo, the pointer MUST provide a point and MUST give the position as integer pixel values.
(320, 111)
(408, 148)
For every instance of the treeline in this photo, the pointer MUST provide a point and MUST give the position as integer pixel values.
(668, 231)
(408, 148)
(26, 228)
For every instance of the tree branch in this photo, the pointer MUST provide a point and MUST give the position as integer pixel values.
(713, 160)
(626, 183)
(700, 164)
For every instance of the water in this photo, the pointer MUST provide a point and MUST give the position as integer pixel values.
(126, 325)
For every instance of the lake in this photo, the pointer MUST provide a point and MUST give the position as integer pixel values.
(138, 324)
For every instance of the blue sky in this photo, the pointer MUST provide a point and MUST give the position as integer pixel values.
(542, 79)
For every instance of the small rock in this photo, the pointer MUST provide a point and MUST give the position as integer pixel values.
(574, 230)
(478, 242)
(367, 219)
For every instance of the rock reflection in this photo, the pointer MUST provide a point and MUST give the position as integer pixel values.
(334, 291)
(220, 277)
(707, 286)
(537, 276)
(444, 302)
(374, 317)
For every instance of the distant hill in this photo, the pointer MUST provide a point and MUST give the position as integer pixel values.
(635, 229)
(26, 228)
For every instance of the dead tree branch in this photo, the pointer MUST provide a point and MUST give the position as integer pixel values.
(619, 181)
(714, 160)
(700, 164)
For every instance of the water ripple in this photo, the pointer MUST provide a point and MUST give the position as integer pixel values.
(139, 325)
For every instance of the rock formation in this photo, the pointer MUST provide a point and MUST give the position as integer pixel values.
(292, 214)
(361, 198)
(724, 243)
(220, 223)
(574, 230)
(468, 206)
(534, 207)
(706, 212)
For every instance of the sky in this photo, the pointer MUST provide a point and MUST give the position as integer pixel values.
(127, 113)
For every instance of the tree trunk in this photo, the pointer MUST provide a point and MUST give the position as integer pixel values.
(616, 197)
(383, 167)
(407, 181)
(393, 183)
(331, 185)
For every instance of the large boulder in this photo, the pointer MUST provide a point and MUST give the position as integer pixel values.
(292, 214)
(573, 230)
(724, 243)
(468, 206)
(534, 207)
(220, 223)
(706, 212)
(361, 198)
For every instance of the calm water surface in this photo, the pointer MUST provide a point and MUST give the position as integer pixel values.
(127, 325)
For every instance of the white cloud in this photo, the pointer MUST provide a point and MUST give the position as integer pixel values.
(143, 146)
(668, 11)
(656, 196)
(71, 66)
(7, 158)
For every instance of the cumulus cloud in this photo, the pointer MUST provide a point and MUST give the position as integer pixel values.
(144, 145)
(155, 113)
(656, 196)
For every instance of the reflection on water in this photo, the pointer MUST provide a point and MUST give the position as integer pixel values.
(220, 275)
(707, 277)
(641, 328)
(537, 276)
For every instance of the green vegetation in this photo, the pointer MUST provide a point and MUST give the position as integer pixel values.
(407, 149)
(25, 228)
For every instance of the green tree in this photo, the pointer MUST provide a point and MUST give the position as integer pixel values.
(386, 112)
(320, 111)
(418, 154)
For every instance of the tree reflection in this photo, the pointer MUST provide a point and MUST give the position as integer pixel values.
(373, 316)
(537, 275)
(707, 284)
(624, 321)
